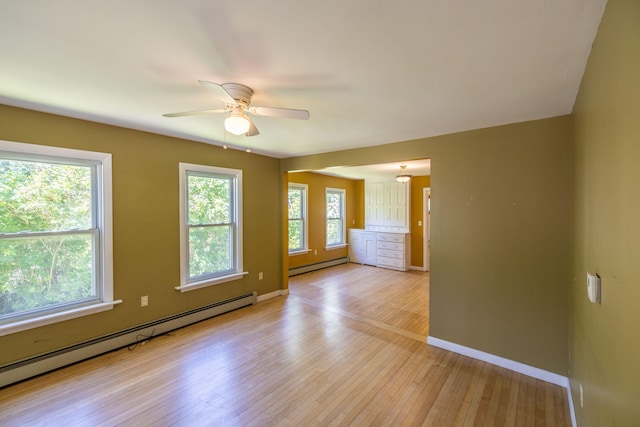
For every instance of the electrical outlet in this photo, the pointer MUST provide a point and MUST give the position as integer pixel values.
(315, 252)
(144, 301)
(260, 276)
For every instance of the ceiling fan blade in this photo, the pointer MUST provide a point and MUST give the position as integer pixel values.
(193, 113)
(253, 130)
(220, 91)
(288, 113)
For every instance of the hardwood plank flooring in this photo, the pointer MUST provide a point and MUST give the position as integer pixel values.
(345, 348)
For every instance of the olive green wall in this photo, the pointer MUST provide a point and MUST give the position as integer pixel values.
(146, 224)
(605, 338)
(500, 235)
(317, 214)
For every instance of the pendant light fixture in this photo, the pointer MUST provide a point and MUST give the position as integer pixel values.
(404, 175)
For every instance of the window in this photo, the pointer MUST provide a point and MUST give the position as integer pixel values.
(335, 217)
(55, 235)
(211, 226)
(297, 218)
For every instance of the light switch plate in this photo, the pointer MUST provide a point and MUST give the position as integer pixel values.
(593, 287)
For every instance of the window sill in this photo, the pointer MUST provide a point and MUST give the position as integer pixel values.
(210, 282)
(300, 252)
(48, 319)
(336, 247)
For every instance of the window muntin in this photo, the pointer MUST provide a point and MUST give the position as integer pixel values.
(335, 213)
(211, 230)
(297, 207)
(55, 235)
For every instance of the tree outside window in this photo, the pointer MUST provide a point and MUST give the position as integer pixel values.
(210, 223)
(297, 203)
(335, 213)
(54, 248)
(211, 230)
(47, 235)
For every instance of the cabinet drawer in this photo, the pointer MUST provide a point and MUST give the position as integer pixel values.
(390, 245)
(390, 254)
(391, 262)
(390, 237)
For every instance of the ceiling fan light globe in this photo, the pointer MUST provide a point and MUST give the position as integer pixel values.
(237, 124)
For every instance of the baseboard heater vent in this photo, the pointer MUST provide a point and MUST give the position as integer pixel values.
(27, 368)
(317, 266)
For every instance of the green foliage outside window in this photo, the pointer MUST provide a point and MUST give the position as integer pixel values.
(46, 235)
(334, 218)
(210, 223)
(296, 221)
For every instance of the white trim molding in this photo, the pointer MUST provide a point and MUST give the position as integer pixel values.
(274, 294)
(512, 365)
(48, 319)
(235, 271)
(572, 411)
(215, 281)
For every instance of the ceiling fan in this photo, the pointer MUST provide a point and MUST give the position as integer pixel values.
(237, 101)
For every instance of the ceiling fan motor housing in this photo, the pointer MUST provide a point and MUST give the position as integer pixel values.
(241, 93)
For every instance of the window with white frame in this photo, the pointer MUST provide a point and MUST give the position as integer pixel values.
(335, 208)
(211, 225)
(55, 235)
(298, 226)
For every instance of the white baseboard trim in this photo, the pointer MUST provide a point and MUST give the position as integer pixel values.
(572, 411)
(512, 365)
(414, 267)
(317, 266)
(278, 293)
(40, 364)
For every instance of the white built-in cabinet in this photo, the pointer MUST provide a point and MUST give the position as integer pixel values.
(362, 247)
(387, 205)
(393, 250)
(385, 240)
(381, 249)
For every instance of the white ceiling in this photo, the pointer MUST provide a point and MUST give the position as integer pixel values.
(381, 172)
(369, 72)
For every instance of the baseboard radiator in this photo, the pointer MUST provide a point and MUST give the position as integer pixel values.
(317, 266)
(33, 366)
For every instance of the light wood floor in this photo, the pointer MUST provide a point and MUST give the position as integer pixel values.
(346, 347)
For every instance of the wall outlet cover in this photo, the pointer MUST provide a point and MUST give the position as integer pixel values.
(593, 287)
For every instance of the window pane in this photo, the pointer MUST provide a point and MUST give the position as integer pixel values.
(335, 220)
(38, 196)
(210, 250)
(39, 272)
(334, 231)
(334, 209)
(295, 234)
(295, 203)
(209, 200)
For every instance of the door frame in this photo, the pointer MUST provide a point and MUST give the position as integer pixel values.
(426, 229)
